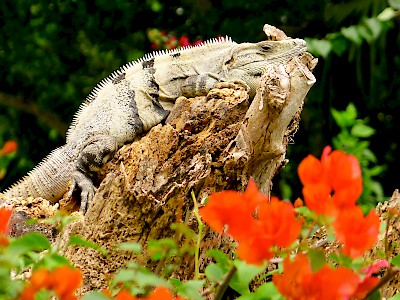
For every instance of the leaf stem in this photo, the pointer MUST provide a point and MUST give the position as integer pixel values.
(225, 283)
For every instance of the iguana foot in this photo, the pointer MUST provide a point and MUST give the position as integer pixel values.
(87, 189)
(94, 155)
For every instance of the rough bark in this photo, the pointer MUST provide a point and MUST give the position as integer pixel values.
(208, 144)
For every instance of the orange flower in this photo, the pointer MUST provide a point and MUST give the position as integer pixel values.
(125, 295)
(38, 280)
(275, 224)
(254, 250)
(336, 172)
(9, 147)
(356, 232)
(292, 283)
(278, 222)
(159, 293)
(299, 283)
(331, 284)
(318, 198)
(63, 281)
(233, 209)
(311, 171)
(5, 215)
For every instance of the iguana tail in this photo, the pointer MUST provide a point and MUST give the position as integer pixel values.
(49, 179)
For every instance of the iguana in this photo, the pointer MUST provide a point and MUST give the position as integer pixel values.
(137, 97)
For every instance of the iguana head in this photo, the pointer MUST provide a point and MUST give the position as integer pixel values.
(248, 56)
(247, 61)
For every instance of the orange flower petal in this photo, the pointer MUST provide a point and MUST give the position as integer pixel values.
(310, 170)
(356, 232)
(125, 295)
(347, 196)
(160, 293)
(279, 224)
(254, 250)
(318, 199)
(292, 283)
(364, 287)
(40, 279)
(233, 209)
(9, 147)
(5, 215)
(66, 281)
(334, 284)
(343, 169)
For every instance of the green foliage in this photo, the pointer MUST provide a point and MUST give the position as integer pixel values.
(53, 53)
(244, 276)
(267, 291)
(368, 30)
(75, 240)
(353, 138)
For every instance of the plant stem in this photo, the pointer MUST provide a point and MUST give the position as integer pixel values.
(391, 272)
(199, 236)
(225, 283)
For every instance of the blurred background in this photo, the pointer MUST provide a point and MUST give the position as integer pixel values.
(52, 53)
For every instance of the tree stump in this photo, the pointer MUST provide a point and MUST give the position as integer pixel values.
(208, 144)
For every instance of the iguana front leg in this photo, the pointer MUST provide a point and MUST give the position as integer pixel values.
(97, 151)
(200, 85)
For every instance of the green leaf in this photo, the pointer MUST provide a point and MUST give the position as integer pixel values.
(244, 275)
(132, 247)
(75, 240)
(361, 130)
(95, 296)
(220, 257)
(319, 47)
(175, 282)
(163, 248)
(267, 291)
(339, 45)
(52, 261)
(387, 14)
(125, 275)
(365, 33)
(185, 230)
(395, 260)
(346, 118)
(375, 26)
(29, 242)
(190, 289)
(395, 297)
(352, 34)
(374, 296)
(144, 279)
(214, 272)
(306, 212)
(394, 4)
(317, 259)
(370, 156)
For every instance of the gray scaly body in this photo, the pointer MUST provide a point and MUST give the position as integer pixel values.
(139, 96)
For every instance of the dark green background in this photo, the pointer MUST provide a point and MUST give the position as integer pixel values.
(52, 53)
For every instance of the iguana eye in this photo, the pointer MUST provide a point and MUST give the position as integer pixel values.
(266, 47)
